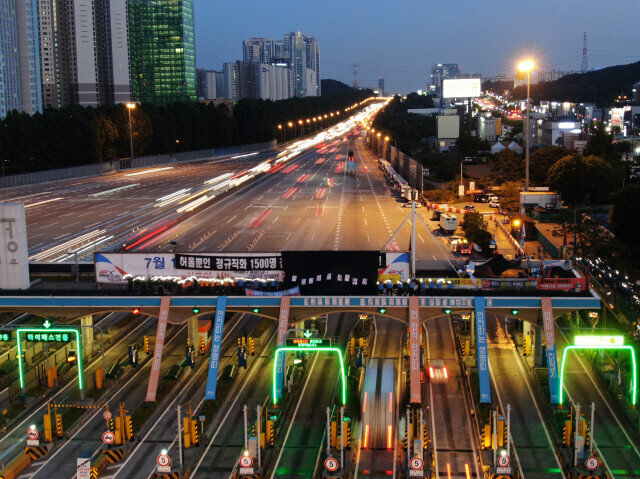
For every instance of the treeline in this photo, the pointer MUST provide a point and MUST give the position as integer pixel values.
(79, 136)
(600, 86)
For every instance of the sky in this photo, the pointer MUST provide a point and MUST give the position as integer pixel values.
(400, 40)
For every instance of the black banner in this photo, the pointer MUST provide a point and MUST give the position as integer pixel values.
(332, 272)
(206, 262)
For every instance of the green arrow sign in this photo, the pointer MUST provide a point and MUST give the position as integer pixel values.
(308, 334)
(46, 324)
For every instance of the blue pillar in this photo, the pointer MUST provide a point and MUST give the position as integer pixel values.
(482, 352)
(216, 344)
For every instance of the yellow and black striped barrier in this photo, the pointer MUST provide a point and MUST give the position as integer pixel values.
(99, 465)
(114, 455)
(36, 452)
(173, 475)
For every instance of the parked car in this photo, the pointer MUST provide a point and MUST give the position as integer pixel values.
(469, 208)
(480, 198)
(494, 204)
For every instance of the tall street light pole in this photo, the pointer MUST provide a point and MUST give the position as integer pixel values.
(527, 66)
(130, 106)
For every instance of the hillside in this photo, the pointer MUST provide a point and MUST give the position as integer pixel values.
(599, 86)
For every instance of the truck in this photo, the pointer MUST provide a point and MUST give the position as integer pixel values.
(448, 223)
(351, 164)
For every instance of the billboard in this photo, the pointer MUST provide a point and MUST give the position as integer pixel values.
(461, 88)
(448, 126)
(112, 267)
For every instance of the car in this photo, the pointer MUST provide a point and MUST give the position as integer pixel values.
(453, 241)
(464, 247)
(502, 211)
(494, 204)
(480, 198)
(469, 208)
(437, 370)
(494, 198)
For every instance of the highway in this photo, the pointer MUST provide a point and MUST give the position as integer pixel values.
(533, 442)
(308, 203)
(160, 431)
(302, 439)
(453, 441)
(381, 399)
(612, 438)
(11, 442)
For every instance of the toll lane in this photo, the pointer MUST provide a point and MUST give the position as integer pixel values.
(452, 436)
(533, 443)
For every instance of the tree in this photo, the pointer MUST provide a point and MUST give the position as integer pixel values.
(510, 195)
(506, 166)
(583, 179)
(624, 213)
(542, 160)
(472, 223)
(471, 145)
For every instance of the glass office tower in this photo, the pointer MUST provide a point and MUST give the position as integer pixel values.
(162, 49)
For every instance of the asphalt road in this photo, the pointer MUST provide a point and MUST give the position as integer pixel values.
(533, 440)
(310, 203)
(303, 437)
(452, 438)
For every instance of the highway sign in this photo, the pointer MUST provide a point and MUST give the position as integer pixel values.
(32, 433)
(416, 464)
(107, 415)
(308, 342)
(108, 437)
(246, 461)
(331, 464)
(164, 463)
(592, 463)
(504, 461)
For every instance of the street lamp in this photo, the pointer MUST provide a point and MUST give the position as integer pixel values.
(130, 106)
(294, 131)
(280, 128)
(527, 66)
(300, 122)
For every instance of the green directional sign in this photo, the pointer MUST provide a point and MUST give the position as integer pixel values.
(5, 336)
(46, 324)
(307, 343)
(308, 334)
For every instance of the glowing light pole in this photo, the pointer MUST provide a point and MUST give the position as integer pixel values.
(527, 66)
(130, 106)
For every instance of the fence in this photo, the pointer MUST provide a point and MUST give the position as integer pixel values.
(107, 167)
(407, 167)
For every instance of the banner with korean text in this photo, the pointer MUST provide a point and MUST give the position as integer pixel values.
(414, 345)
(283, 326)
(165, 303)
(216, 344)
(482, 350)
(552, 356)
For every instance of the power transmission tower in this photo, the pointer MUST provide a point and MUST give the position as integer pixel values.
(585, 65)
(355, 75)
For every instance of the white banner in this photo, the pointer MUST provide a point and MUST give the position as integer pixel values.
(112, 267)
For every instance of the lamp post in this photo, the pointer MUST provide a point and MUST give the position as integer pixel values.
(130, 106)
(301, 123)
(291, 126)
(280, 128)
(527, 66)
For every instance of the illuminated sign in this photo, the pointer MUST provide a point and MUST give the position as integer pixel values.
(598, 341)
(318, 349)
(47, 337)
(461, 88)
(567, 125)
(5, 337)
(23, 334)
(303, 343)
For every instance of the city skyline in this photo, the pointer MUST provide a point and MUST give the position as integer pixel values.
(480, 38)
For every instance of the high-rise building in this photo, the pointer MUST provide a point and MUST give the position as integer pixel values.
(210, 84)
(162, 45)
(304, 57)
(84, 52)
(381, 85)
(443, 71)
(19, 57)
